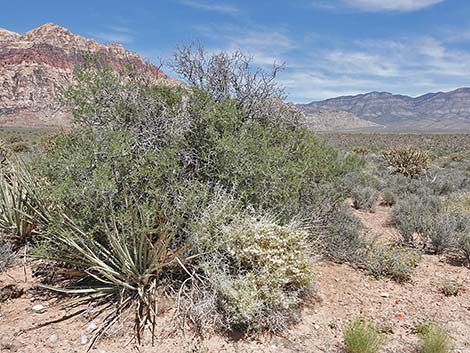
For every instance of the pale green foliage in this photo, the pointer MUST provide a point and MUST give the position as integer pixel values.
(412, 216)
(127, 262)
(362, 337)
(257, 267)
(458, 203)
(395, 262)
(450, 288)
(434, 339)
(388, 197)
(278, 251)
(20, 208)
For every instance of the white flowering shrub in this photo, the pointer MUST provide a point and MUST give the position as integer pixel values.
(258, 269)
(275, 251)
(271, 275)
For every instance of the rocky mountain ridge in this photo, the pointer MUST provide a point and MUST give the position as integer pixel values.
(37, 66)
(432, 111)
(331, 120)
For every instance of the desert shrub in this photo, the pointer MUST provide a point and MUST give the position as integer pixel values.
(131, 186)
(458, 203)
(412, 216)
(407, 160)
(446, 181)
(86, 168)
(394, 262)
(434, 339)
(342, 238)
(268, 167)
(388, 198)
(13, 139)
(463, 244)
(361, 150)
(256, 268)
(366, 176)
(255, 91)
(450, 288)
(365, 198)
(440, 230)
(362, 337)
(457, 157)
(403, 186)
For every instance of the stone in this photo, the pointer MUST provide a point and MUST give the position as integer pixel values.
(91, 327)
(83, 340)
(39, 308)
(53, 338)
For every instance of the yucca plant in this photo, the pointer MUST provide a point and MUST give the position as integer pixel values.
(362, 337)
(407, 160)
(21, 208)
(123, 268)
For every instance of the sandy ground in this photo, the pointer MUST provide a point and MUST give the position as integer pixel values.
(345, 294)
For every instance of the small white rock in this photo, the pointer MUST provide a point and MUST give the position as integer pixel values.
(53, 338)
(384, 295)
(91, 327)
(316, 327)
(83, 340)
(39, 308)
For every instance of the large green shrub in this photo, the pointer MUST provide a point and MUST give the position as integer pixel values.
(142, 152)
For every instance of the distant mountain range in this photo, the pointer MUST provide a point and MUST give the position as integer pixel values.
(433, 111)
(37, 66)
(327, 120)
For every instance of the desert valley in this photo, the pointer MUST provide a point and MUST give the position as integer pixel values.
(192, 206)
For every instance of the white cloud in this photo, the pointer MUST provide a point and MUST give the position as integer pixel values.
(319, 69)
(114, 37)
(391, 5)
(213, 6)
(115, 34)
(265, 45)
(410, 66)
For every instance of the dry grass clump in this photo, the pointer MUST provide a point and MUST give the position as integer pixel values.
(362, 337)
(407, 160)
(434, 339)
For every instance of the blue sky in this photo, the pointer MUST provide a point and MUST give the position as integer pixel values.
(330, 47)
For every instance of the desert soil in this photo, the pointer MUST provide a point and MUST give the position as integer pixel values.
(344, 294)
